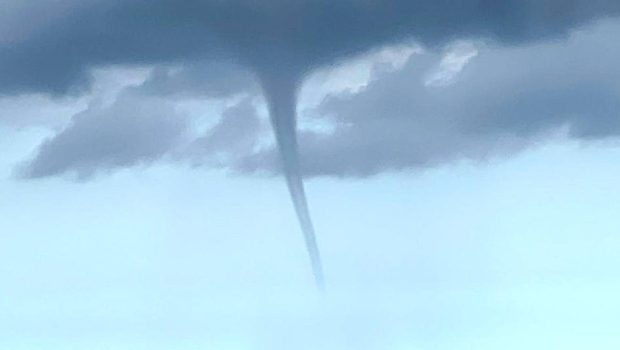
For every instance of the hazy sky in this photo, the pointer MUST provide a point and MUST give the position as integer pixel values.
(461, 167)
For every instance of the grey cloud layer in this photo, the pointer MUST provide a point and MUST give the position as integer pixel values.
(210, 79)
(131, 131)
(235, 135)
(504, 100)
(56, 54)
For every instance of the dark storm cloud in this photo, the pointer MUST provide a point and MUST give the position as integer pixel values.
(398, 121)
(133, 130)
(210, 79)
(504, 100)
(52, 46)
(55, 52)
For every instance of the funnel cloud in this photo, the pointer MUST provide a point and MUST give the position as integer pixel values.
(281, 96)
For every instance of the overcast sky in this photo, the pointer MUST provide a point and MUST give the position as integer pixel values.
(461, 165)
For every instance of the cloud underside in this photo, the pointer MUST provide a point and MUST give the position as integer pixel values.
(544, 67)
(130, 132)
(52, 46)
(490, 103)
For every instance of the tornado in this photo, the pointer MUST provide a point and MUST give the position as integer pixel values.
(280, 91)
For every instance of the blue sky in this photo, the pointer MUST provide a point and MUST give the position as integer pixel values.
(461, 176)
